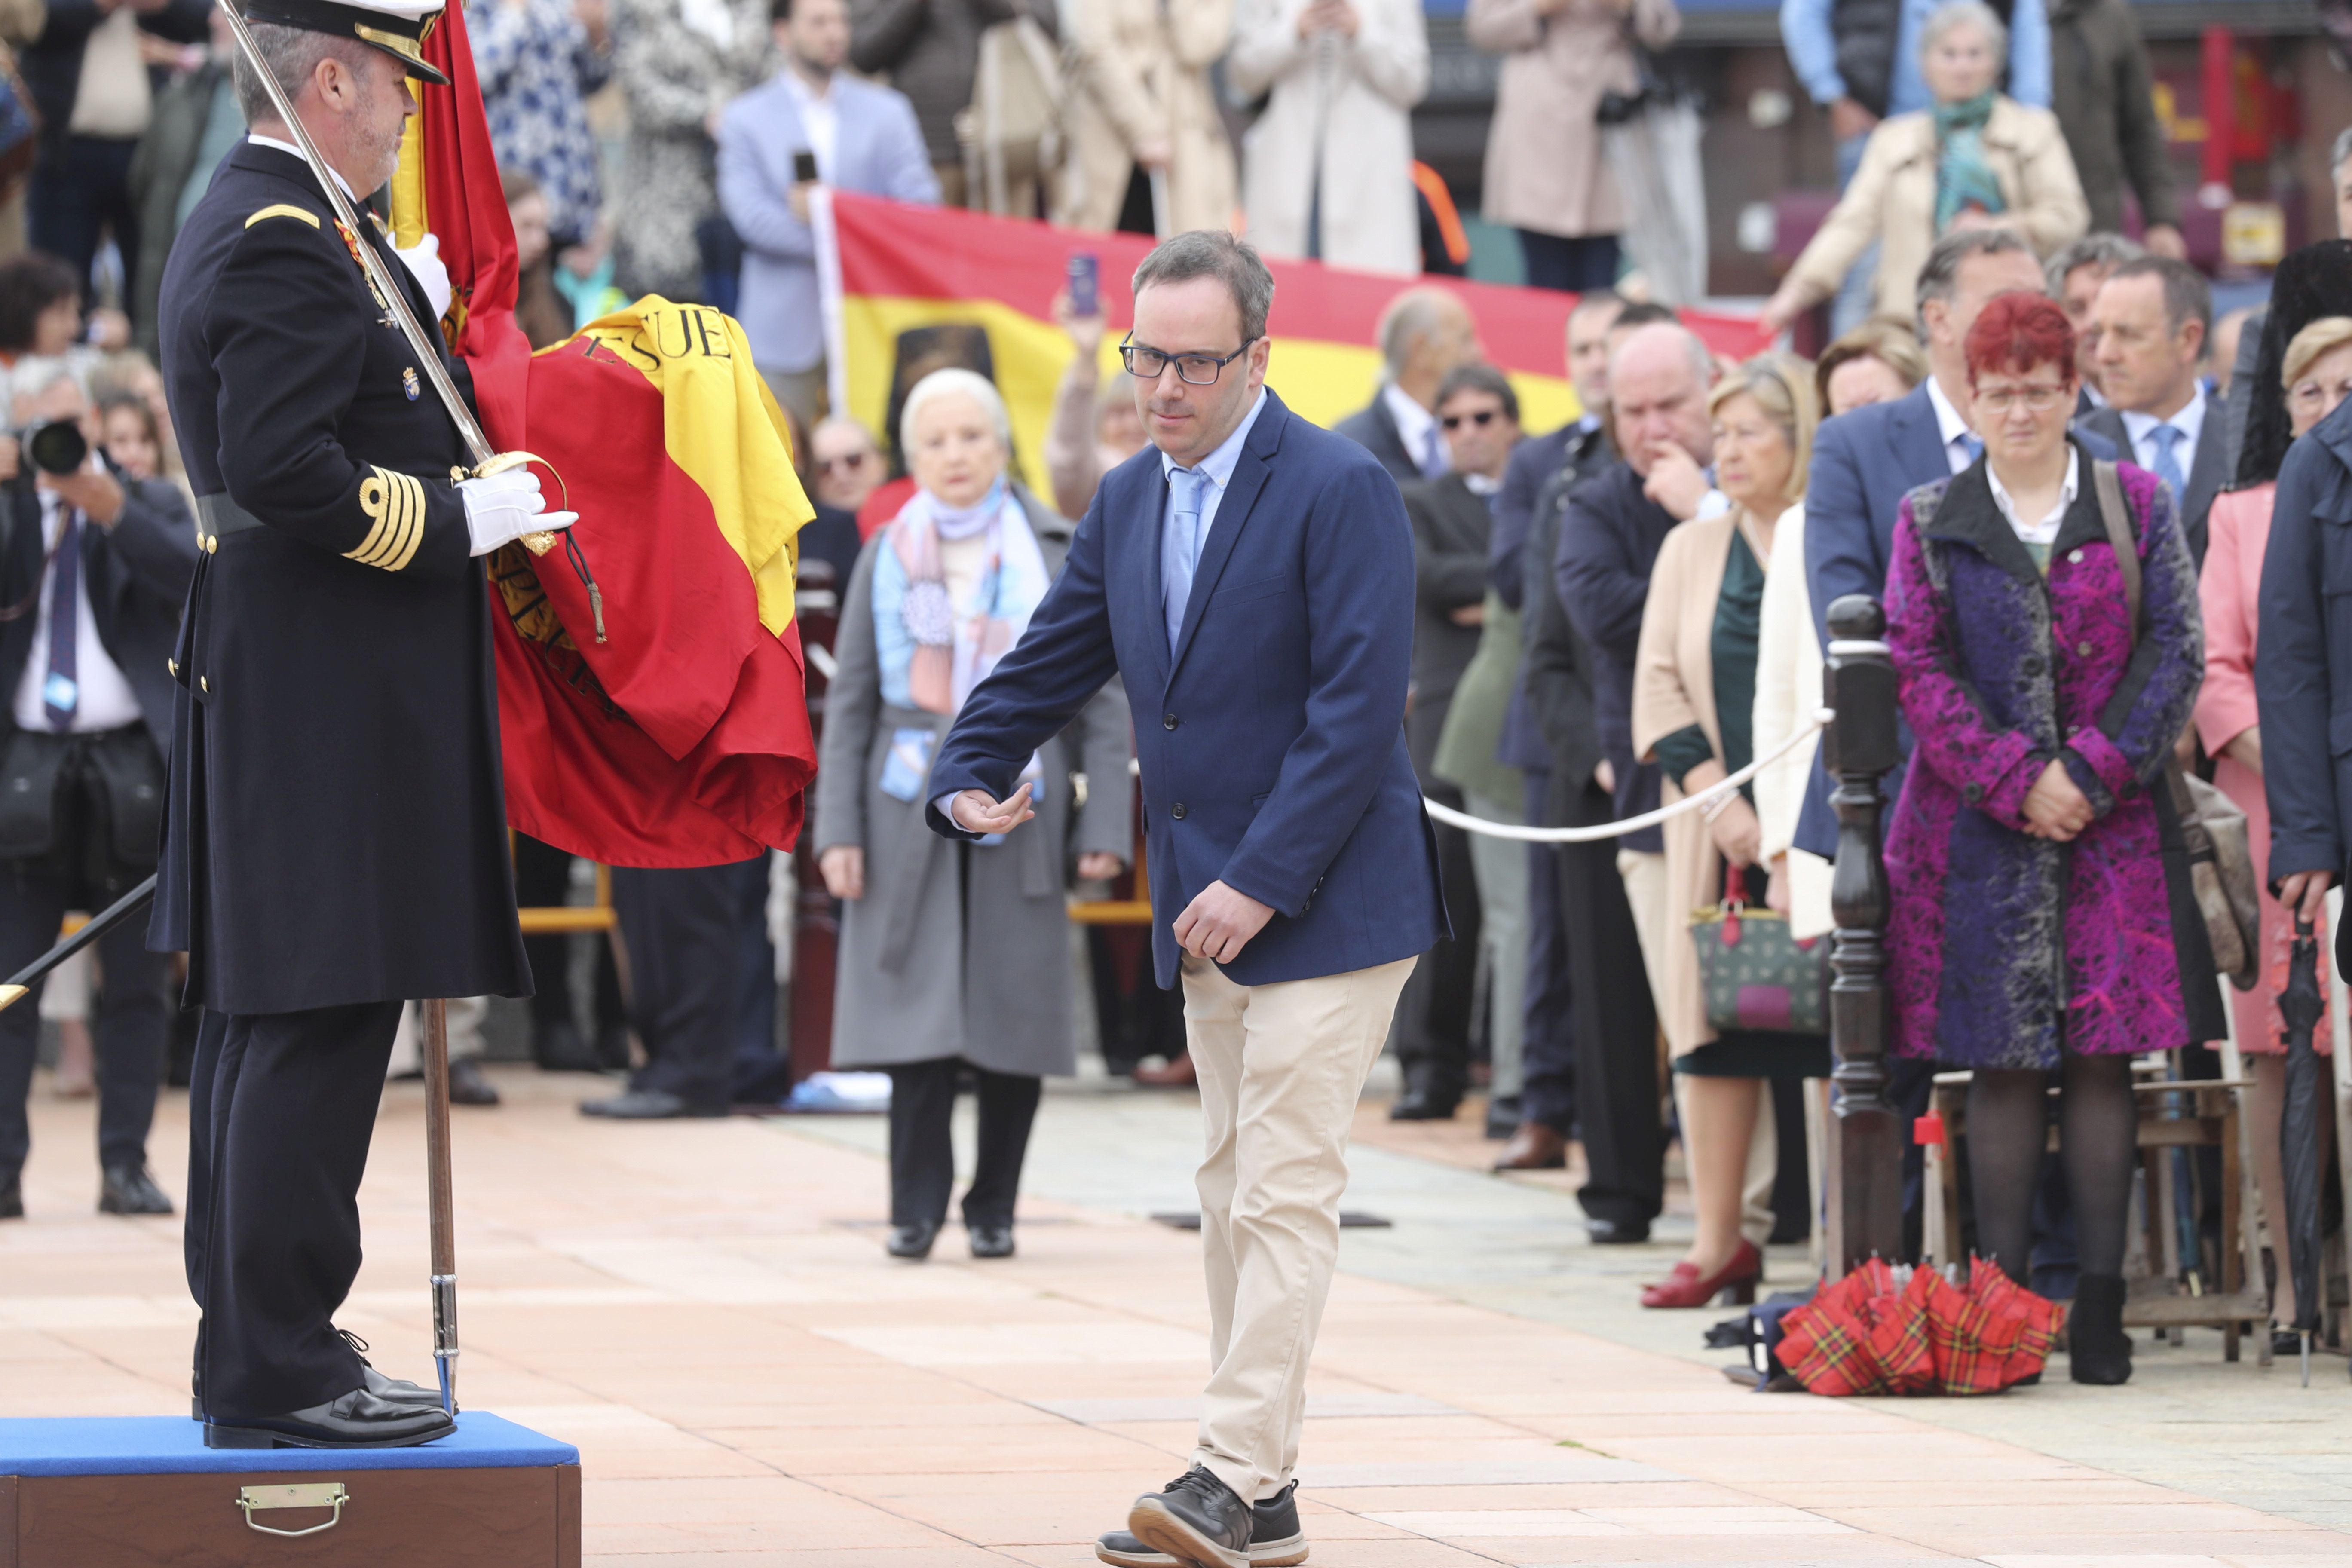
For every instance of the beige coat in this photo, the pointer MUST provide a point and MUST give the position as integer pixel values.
(1355, 96)
(1545, 170)
(1674, 687)
(1892, 200)
(1140, 72)
(1787, 693)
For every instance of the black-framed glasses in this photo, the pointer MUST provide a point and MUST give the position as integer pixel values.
(1195, 370)
(1483, 417)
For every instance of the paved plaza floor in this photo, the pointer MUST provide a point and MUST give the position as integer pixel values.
(704, 1309)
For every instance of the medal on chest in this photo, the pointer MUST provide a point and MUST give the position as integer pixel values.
(352, 243)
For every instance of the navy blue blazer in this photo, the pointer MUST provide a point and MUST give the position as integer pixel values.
(2304, 654)
(1272, 742)
(1865, 463)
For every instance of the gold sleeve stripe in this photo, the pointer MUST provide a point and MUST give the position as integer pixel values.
(395, 504)
(283, 211)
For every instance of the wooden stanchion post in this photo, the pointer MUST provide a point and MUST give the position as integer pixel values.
(1865, 1194)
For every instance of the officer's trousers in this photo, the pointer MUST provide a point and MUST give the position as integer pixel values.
(280, 1110)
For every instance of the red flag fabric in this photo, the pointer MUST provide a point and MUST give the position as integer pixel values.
(683, 739)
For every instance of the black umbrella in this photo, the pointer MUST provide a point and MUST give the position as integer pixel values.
(2299, 1004)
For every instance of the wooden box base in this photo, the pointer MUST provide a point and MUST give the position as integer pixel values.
(131, 1493)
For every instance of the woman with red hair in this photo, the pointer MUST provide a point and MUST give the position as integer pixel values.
(2029, 861)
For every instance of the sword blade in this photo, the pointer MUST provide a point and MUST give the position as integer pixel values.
(427, 344)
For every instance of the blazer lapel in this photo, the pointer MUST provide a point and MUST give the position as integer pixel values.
(1233, 513)
(1918, 442)
(2205, 475)
(1150, 509)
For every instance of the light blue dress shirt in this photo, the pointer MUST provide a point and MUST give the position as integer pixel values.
(1812, 54)
(2173, 466)
(1215, 471)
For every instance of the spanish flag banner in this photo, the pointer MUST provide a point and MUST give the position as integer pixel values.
(891, 268)
(661, 717)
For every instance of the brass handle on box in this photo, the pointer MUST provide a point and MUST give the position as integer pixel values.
(328, 1494)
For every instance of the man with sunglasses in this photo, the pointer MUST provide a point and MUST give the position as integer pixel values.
(1250, 577)
(847, 465)
(1453, 517)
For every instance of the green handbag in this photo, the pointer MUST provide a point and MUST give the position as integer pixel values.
(1755, 976)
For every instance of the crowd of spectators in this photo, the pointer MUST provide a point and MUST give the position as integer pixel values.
(1611, 616)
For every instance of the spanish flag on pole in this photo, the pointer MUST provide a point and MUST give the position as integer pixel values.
(668, 724)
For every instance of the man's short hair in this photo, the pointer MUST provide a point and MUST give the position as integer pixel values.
(2186, 296)
(293, 54)
(1483, 378)
(1939, 277)
(35, 377)
(1214, 253)
(780, 10)
(1407, 318)
(1643, 313)
(29, 285)
(2105, 251)
(1598, 299)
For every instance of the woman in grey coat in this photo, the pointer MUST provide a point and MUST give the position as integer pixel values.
(955, 957)
(680, 62)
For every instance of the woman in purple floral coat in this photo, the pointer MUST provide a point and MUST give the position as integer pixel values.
(2037, 880)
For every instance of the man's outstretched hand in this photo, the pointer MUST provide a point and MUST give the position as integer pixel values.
(1220, 923)
(977, 811)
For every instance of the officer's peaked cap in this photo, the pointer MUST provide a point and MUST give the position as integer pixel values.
(398, 27)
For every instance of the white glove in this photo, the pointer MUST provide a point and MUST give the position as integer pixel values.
(424, 259)
(505, 506)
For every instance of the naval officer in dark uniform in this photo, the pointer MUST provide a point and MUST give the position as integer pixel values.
(335, 831)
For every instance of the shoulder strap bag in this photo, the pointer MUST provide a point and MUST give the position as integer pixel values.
(2220, 855)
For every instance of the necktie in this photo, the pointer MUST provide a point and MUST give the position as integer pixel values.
(2168, 460)
(1970, 444)
(61, 692)
(1432, 453)
(1181, 550)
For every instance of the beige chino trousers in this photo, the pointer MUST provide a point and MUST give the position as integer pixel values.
(1281, 1067)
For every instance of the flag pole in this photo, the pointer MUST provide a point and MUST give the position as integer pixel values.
(440, 1199)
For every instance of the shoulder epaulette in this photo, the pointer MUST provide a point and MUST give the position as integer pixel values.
(283, 210)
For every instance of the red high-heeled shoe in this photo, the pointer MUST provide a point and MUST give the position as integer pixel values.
(1735, 1282)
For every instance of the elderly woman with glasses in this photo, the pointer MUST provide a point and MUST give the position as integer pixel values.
(2303, 373)
(2033, 870)
(1978, 157)
(1694, 683)
(955, 958)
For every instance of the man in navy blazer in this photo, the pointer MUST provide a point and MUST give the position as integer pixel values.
(863, 137)
(1250, 577)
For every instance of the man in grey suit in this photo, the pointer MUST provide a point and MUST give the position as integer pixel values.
(1424, 333)
(2152, 317)
(861, 137)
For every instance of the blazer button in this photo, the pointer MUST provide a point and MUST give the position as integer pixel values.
(2083, 648)
(1972, 794)
(1177, 811)
(1167, 721)
(2075, 556)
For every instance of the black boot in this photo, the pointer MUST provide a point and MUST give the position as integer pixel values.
(2099, 1349)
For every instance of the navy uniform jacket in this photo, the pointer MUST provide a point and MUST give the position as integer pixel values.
(336, 828)
(2303, 661)
(1272, 740)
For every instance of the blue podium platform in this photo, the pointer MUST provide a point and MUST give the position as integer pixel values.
(128, 1491)
(174, 1445)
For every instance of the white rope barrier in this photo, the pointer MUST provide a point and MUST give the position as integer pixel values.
(1698, 801)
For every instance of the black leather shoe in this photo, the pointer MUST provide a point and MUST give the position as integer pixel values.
(1502, 1117)
(558, 1047)
(398, 1390)
(357, 1420)
(128, 1189)
(645, 1105)
(2098, 1346)
(1197, 1518)
(991, 1240)
(1276, 1540)
(915, 1240)
(468, 1085)
(1617, 1232)
(12, 1198)
(1422, 1105)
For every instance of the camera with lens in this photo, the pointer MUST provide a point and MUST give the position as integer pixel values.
(57, 447)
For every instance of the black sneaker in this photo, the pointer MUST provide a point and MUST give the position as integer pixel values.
(1276, 1540)
(1197, 1520)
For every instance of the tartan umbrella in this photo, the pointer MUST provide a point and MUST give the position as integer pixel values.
(1881, 1329)
(2299, 1005)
